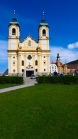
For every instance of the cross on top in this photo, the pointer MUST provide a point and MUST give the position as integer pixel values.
(43, 15)
(14, 13)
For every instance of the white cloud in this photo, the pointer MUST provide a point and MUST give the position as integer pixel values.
(66, 55)
(3, 51)
(73, 45)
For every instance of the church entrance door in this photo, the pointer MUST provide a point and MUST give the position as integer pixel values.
(28, 73)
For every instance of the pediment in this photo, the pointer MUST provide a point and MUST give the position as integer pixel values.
(28, 43)
(29, 38)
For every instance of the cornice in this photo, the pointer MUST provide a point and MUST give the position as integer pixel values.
(28, 51)
(46, 38)
(14, 38)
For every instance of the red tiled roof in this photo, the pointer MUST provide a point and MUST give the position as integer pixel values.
(52, 62)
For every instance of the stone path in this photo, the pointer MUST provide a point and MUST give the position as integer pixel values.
(27, 82)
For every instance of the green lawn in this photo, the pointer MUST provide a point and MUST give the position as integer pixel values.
(7, 85)
(40, 112)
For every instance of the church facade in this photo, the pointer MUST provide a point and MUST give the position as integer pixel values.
(28, 57)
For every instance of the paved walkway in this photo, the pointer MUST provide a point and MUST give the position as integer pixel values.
(27, 82)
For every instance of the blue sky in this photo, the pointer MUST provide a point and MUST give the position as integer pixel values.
(61, 15)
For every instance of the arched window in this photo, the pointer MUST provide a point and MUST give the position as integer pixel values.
(22, 63)
(22, 70)
(13, 31)
(13, 70)
(44, 32)
(44, 62)
(36, 62)
(36, 70)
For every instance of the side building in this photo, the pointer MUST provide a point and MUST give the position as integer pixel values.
(28, 57)
(62, 68)
(53, 67)
(72, 66)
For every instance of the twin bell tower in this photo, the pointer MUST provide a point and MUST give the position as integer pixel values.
(28, 57)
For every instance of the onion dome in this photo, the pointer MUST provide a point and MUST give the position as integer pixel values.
(43, 22)
(14, 21)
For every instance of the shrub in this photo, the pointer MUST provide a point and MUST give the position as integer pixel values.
(58, 79)
(11, 79)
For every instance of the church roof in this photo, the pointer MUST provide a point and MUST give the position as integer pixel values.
(14, 22)
(43, 23)
(6, 72)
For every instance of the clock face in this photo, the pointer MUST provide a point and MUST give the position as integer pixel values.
(29, 43)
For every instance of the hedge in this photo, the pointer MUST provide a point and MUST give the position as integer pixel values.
(58, 79)
(11, 80)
